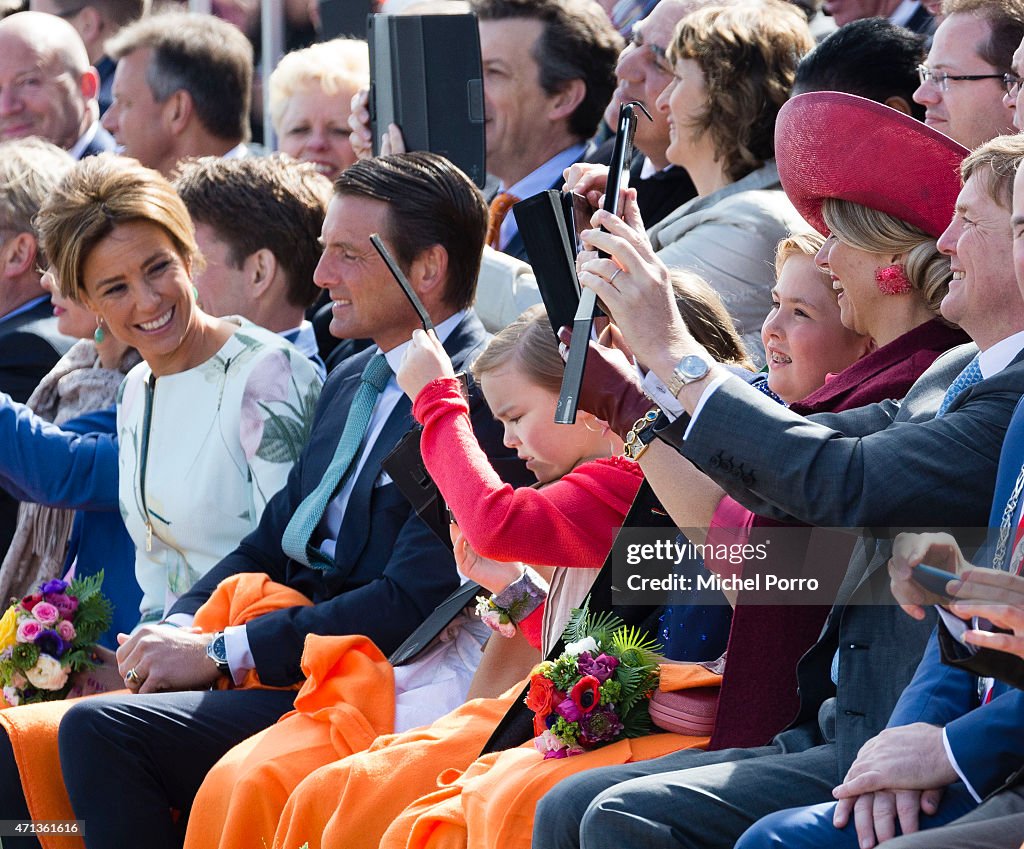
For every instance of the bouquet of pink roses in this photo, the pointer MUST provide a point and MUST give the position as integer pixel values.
(47, 636)
(597, 690)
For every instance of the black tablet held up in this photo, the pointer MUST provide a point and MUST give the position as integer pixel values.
(583, 321)
(542, 224)
(426, 77)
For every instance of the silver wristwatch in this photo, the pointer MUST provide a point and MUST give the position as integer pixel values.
(689, 370)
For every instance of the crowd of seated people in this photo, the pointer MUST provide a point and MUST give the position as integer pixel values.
(214, 391)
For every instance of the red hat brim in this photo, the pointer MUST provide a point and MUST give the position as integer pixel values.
(834, 145)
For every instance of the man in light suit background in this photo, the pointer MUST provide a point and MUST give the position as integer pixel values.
(380, 571)
(945, 473)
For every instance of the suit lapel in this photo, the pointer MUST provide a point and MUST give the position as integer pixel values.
(355, 528)
(353, 535)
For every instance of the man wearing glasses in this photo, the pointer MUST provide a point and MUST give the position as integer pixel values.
(962, 86)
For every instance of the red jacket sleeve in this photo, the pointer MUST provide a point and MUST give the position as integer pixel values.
(570, 522)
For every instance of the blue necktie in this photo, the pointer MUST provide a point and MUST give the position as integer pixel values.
(295, 540)
(968, 377)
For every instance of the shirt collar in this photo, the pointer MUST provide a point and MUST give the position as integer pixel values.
(29, 305)
(993, 360)
(443, 330)
(545, 176)
(904, 12)
(78, 148)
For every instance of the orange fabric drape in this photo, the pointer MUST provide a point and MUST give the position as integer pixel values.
(32, 729)
(348, 701)
(351, 802)
(492, 803)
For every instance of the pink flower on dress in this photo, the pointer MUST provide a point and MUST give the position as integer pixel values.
(267, 383)
(46, 613)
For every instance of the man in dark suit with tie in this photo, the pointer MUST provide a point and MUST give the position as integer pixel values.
(339, 532)
(889, 464)
(954, 745)
(48, 85)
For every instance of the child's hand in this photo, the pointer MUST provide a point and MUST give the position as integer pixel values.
(489, 574)
(424, 360)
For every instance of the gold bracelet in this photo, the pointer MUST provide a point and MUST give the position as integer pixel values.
(640, 436)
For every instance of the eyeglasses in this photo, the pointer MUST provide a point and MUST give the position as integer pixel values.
(657, 53)
(1012, 83)
(941, 78)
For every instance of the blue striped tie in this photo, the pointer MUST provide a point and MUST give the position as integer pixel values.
(295, 541)
(968, 377)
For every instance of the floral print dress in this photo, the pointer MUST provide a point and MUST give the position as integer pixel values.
(202, 451)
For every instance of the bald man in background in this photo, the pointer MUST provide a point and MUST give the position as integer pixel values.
(47, 86)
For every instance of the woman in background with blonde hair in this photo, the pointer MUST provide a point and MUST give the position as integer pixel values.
(310, 101)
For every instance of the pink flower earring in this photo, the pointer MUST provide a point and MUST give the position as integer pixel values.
(892, 280)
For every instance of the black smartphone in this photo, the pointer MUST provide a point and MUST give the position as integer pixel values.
(403, 282)
(583, 321)
(622, 154)
(934, 580)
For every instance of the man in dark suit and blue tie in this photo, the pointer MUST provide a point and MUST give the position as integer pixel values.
(946, 772)
(339, 532)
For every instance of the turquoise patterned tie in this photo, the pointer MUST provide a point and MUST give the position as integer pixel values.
(968, 377)
(295, 541)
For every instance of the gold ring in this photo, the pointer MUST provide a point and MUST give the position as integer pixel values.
(132, 677)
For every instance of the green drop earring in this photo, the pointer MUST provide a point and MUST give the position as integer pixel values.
(98, 335)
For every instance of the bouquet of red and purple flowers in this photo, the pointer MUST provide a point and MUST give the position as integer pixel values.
(49, 635)
(597, 690)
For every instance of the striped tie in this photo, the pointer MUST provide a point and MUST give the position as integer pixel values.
(499, 208)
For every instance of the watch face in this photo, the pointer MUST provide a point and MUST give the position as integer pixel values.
(693, 367)
(218, 651)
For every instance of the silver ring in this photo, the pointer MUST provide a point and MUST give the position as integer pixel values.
(611, 279)
(132, 677)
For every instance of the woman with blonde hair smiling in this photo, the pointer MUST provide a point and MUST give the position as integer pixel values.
(310, 95)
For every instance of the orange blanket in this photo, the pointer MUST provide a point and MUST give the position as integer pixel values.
(492, 803)
(32, 729)
(351, 802)
(348, 701)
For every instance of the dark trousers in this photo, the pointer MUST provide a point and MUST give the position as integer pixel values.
(129, 761)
